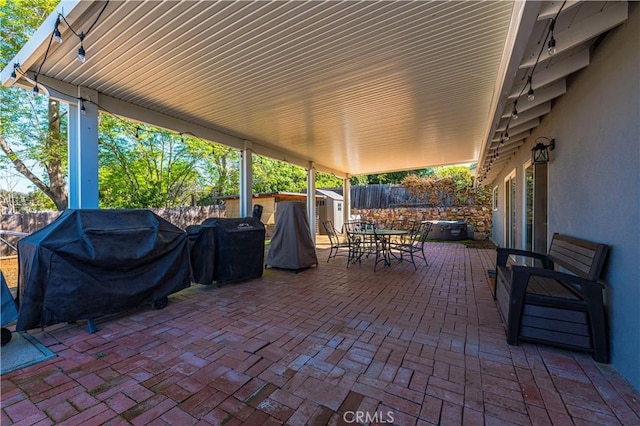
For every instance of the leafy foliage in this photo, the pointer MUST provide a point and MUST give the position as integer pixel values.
(446, 186)
(143, 166)
(32, 130)
(273, 175)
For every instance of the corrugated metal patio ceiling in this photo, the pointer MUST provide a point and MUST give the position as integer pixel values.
(357, 87)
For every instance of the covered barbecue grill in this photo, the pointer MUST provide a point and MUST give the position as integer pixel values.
(292, 246)
(91, 263)
(239, 248)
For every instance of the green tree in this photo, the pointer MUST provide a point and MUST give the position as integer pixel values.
(273, 175)
(32, 130)
(324, 180)
(142, 166)
(218, 172)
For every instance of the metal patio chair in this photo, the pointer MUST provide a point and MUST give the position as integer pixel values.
(337, 240)
(414, 245)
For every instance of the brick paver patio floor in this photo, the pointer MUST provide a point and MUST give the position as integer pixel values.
(318, 347)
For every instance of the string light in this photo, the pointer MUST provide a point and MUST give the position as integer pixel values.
(551, 46)
(14, 75)
(36, 91)
(83, 110)
(551, 49)
(81, 54)
(56, 32)
(530, 94)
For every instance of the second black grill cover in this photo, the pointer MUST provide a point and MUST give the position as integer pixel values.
(239, 248)
(91, 263)
(202, 247)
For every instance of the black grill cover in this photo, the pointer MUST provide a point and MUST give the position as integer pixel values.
(239, 250)
(91, 263)
(291, 246)
(202, 247)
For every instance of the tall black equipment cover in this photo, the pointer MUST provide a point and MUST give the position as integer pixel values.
(291, 246)
(202, 248)
(239, 244)
(91, 263)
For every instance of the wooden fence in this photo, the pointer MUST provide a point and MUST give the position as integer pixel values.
(31, 222)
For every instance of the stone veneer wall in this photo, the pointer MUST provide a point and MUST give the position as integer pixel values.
(479, 217)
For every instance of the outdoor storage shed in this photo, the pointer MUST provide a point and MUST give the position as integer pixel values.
(91, 263)
(291, 246)
(331, 208)
(239, 248)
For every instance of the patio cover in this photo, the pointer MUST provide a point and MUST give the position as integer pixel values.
(91, 263)
(291, 246)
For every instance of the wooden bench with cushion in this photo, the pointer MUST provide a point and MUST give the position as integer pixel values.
(558, 301)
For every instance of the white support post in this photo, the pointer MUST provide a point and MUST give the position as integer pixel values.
(83, 151)
(346, 199)
(311, 200)
(246, 179)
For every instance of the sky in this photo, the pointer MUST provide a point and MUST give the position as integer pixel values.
(11, 180)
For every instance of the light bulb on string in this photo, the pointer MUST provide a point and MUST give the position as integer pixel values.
(83, 110)
(551, 49)
(35, 91)
(530, 95)
(14, 74)
(56, 32)
(551, 45)
(81, 53)
(514, 112)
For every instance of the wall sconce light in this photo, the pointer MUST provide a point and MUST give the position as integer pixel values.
(540, 152)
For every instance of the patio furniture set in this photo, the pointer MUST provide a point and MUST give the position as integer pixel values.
(404, 240)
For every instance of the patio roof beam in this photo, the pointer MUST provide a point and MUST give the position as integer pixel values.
(66, 93)
(34, 49)
(579, 32)
(528, 114)
(550, 9)
(520, 127)
(523, 20)
(554, 72)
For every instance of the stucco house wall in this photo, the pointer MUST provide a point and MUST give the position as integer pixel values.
(594, 177)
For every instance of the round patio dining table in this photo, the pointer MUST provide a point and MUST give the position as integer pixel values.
(379, 239)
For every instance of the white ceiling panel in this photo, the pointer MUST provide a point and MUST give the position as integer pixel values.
(355, 87)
